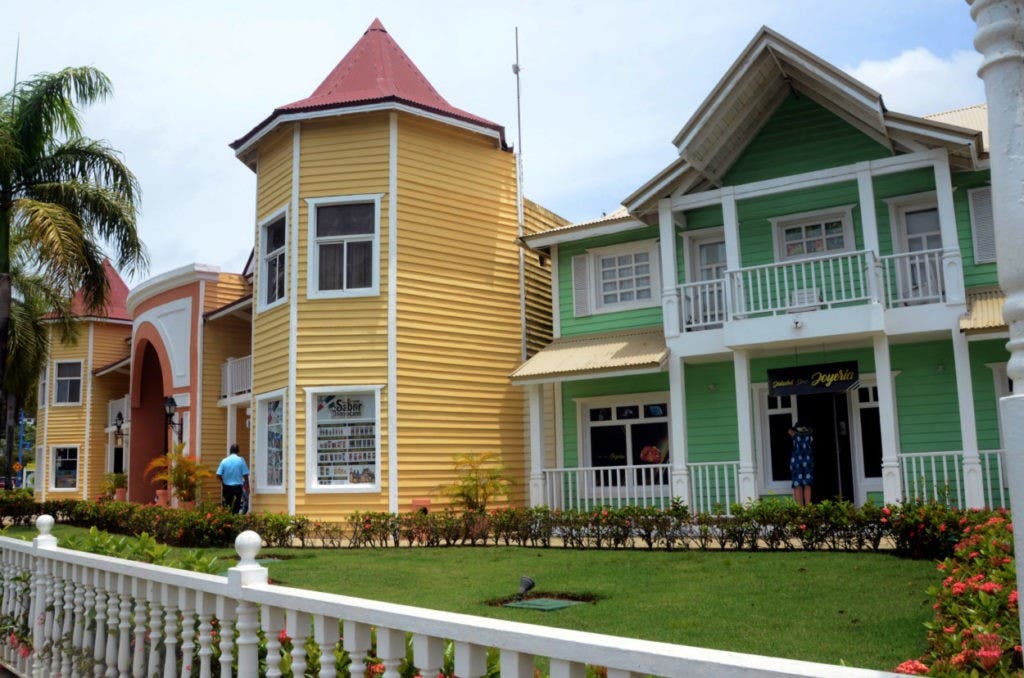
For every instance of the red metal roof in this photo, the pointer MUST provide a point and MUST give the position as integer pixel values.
(375, 70)
(117, 295)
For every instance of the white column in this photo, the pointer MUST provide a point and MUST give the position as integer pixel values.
(869, 225)
(677, 429)
(974, 493)
(535, 393)
(669, 269)
(1000, 39)
(952, 265)
(731, 226)
(748, 484)
(892, 489)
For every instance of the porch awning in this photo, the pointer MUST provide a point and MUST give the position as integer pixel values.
(119, 365)
(595, 355)
(984, 311)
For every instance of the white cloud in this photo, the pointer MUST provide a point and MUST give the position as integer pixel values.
(918, 82)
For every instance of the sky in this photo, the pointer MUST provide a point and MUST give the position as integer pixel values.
(605, 85)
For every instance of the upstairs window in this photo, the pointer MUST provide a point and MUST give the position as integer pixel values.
(273, 262)
(42, 387)
(618, 278)
(816, 234)
(67, 388)
(344, 246)
(983, 225)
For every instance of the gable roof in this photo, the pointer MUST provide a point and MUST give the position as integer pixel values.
(117, 295)
(970, 117)
(765, 73)
(375, 71)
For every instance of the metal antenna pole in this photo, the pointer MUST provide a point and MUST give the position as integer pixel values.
(519, 205)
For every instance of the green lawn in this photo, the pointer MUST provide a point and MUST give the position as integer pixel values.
(860, 609)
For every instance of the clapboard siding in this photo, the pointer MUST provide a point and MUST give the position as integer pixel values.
(537, 278)
(983, 354)
(927, 411)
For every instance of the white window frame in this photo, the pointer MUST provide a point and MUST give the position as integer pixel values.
(594, 255)
(692, 240)
(974, 229)
(260, 452)
(898, 208)
(81, 383)
(766, 482)
(261, 266)
(42, 388)
(312, 486)
(841, 213)
(583, 423)
(1001, 382)
(52, 484)
(313, 290)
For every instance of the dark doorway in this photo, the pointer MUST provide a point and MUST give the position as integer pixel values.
(149, 427)
(827, 415)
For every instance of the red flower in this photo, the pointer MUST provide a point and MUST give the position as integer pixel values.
(1013, 598)
(959, 588)
(990, 587)
(912, 667)
(886, 511)
(949, 629)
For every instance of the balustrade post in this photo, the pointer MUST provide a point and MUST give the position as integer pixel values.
(273, 625)
(470, 660)
(155, 618)
(298, 628)
(40, 590)
(356, 640)
(428, 655)
(561, 668)
(515, 664)
(390, 650)
(81, 615)
(55, 617)
(225, 634)
(67, 628)
(247, 573)
(205, 605)
(139, 653)
(88, 626)
(325, 632)
(124, 627)
(113, 619)
(169, 594)
(187, 606)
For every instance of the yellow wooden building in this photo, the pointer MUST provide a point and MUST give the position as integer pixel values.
(370, 337)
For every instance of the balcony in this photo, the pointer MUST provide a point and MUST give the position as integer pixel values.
(236, 377)
(814, 284)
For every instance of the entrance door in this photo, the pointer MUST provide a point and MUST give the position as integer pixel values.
(867, 433)
(706, 303)
(920, 278)
(827, 416)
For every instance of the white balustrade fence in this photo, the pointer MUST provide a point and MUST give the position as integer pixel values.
(703, 304)
(86, 614)
(913, 278)
(236, 376)
(934, 476)
(715, 487)
(591, 487)
(804, 284)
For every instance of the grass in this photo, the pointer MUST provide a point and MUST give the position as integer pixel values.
(860, 609)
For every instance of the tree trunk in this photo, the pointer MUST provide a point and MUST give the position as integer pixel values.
(5, 316)
(11, 433)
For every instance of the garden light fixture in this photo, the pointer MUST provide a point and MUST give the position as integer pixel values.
(525, 584)
(170, 407)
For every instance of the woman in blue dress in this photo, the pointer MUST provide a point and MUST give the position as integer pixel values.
(801, 462)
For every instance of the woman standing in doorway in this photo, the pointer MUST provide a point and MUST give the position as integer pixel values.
(801, 462)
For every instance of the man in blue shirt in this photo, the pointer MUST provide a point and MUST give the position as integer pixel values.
(234, 479)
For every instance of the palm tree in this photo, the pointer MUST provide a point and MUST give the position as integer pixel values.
(63, 197)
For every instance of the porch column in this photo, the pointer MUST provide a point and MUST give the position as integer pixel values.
(731, 226)
(1000, 39)
(892, 487)
(974, 492)
(677, 429)
(669, 274)
(747, 482)
(869, 224)
(952, 264)
(535, 393)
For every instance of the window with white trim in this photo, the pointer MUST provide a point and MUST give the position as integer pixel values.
(813, 234)
(617, 278)
(628, 431)
(344, 243)
(42, 388)
(269, 471)
(65, 468)
(343, 449)
(67, 387)
(983, 228)
(273, 261)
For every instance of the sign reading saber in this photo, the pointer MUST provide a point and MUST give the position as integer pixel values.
(811, 379)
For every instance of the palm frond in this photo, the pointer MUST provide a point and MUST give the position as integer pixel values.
(46, 106)
(89, 161)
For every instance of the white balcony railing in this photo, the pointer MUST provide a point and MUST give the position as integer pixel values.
(591, 487)
(715, 486)
(87, 614)
(703, 305)
(802, 285)
(122, 406)
(913, 278)
(938, 476)
(236, 376)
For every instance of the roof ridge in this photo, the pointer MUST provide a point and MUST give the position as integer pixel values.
(956, 110)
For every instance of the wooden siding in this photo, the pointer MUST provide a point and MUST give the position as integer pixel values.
(109, 344)
(975, 275)
(270, 328)
(600, 322)
(538, 278)
(596, 388)
(926, 403)
(458, 306)
(222, 339)
(983, 382)
(228, 288)
(711, 433)
(801, 136)
(341, 342)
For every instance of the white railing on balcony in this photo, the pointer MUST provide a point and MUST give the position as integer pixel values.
(236, 376)
(121, 405)
(703, 304)
(997, 494)
(590, 487)
(913, 278)
(715, 487)
(86, 614)
(802, 285)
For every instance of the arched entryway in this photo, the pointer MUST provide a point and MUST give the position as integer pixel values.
(149, 435)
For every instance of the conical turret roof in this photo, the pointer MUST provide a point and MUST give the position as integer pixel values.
(375, 70)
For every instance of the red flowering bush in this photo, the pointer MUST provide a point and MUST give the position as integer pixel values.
(976, 624)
